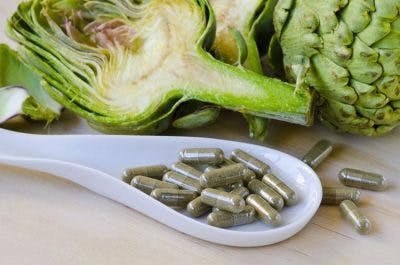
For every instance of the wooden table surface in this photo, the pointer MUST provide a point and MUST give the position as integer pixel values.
(44, 220)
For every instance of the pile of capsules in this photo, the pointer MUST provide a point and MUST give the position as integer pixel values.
(346, 197)
(232, 192)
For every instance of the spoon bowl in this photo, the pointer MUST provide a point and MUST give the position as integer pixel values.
(97, 162)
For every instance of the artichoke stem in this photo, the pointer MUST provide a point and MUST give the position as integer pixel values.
(247, 92)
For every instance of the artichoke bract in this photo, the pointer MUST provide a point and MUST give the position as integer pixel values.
(349, 52)
(21, 92)
(126, 65)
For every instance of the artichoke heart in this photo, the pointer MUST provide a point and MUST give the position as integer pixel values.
(349, 52)
(125, 66)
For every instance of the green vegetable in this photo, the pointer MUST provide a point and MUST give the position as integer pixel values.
(15, 100)
(126, 66)
(204, 114)
(349, 52)
(194, 114)
(239, 23)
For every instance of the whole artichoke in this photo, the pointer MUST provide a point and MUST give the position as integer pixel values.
(349, 52)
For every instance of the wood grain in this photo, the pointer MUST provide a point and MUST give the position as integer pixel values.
(44, 220)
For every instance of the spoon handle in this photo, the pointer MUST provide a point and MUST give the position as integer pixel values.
(114, 189)
(98, 182)
(92, 179)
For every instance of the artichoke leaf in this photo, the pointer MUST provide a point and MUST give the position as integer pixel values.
(21, 91)
(196, 114)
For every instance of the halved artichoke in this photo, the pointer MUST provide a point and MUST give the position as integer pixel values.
(126, 65)
(349, 51)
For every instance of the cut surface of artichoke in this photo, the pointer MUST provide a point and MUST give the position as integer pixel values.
(243, 16)
(349, 51)
(125, 66)
(239, 15)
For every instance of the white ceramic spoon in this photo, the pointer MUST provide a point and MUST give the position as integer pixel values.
(96, 162)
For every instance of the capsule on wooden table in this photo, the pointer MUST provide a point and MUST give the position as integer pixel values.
(335, 195)
(223, 200)
(174, 197)
(272, 197)
(182, 181)
(147, 185)
(202, 156)
(197, 208)
(288, 195)
(186, 170)
(155, 171)
(227, 219)
(318, 153)
(352, 214)
(259, 167)
(264, 211)
(223, 176)
(362, 179)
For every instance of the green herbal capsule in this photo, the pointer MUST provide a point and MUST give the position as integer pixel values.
(359, 221)
(259, 167)
(210, 168)
(335, 195)
(226, 219)
(147, 185)
(227, 162)
(318, 153)
(241, 191)
(174, 197)
(186, 170)
(197, 208)
(156, 172)
(202, 156)
(182, 181)
(264, 211)
(288, 195)
(215, 209)
(233, 186)
(248, 176)
(223, 176)
(362, 179)
(223, 200)
(272, 197)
